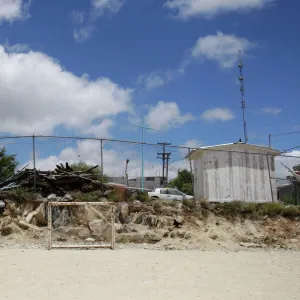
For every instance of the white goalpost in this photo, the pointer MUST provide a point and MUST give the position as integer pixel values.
(91, 205)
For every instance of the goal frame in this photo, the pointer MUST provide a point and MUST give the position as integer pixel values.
(81, 246)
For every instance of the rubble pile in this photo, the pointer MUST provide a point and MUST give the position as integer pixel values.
(60, 181)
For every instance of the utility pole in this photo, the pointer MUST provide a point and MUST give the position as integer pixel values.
(165, 157)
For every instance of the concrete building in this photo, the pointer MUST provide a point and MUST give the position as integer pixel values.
(235, 171)
(150, 183)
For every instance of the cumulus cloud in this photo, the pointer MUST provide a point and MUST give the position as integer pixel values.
(186, 9)
(37, 94)
(219, 47)
(271, 111)
(222, 48)
(218, 114)
(166, 115)
(11, 10)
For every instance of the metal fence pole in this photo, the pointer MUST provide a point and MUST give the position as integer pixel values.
(102, 174)
(270, 179)
(191, 167)
(34, 168)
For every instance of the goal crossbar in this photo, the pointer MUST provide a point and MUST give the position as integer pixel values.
(91, 205)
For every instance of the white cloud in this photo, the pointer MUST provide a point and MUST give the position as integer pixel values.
(166, 115)
(112, 6)
(159, 78)
(114, 157)
(289, 159)
(11, 10)
(37, 94)
(271, 111)
(192, 144)
(186, 9)
(99, 8)
(82, 34)
(222, 48)
(218, 114)
(100, 130)
(77, 17)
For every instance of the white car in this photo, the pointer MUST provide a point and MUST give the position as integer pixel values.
(168, 194)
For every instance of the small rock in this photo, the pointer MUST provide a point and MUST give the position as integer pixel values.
(294, 241)
(22, 224)
(124, 211)
(61, 239)
(51, 197)
(213, 236)
(90, 240)
(250, 245)
(67, 198)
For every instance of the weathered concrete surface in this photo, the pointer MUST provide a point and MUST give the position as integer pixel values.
(141, 274)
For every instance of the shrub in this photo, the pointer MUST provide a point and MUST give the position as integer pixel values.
(189, 204)
(250, 208)
(271, 209)
(204, 203)
(291, 211)
(21, 195)
(157, 206)
(143, 197)
(231, 208)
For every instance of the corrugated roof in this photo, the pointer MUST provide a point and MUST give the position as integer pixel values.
(231, 146)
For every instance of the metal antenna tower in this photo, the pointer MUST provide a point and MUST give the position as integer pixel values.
(242, 89)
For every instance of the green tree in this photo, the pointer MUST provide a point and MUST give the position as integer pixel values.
(183, 182)
(8, 164)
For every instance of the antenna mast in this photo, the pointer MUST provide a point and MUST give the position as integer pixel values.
(241, 79)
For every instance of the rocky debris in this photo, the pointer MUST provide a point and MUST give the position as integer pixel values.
(61, 217)
(148, 237)
(59, 181)
(181, 234)
(152, 221)
(178, 221)
(100, 230)
(294, 241)
(124, 212)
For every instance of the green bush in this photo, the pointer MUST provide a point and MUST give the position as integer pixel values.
(143, 197)
(270, 209)
(291, 211)
(230, 208)
(157, 206)
(189, 204)
(204, 203)
(21, 195)
(94, 196)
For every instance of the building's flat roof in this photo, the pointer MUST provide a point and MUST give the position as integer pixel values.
(231, 146)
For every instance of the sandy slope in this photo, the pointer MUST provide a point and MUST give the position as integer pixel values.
(141, 274)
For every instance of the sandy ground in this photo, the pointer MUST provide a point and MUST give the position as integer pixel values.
(143, 274)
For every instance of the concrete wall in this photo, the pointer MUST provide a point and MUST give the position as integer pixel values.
(150, 183)
(227, 176)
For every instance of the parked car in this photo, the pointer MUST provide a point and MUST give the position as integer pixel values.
(168, 194)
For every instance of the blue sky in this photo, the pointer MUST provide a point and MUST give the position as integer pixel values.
(93, 68)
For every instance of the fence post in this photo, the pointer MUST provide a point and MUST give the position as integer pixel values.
(102, 174)
(270, 179)
(34, 168)
(191, 167)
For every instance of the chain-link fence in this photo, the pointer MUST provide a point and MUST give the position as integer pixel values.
(145, 166)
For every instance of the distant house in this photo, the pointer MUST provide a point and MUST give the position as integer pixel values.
(235, 171)
(150, 183)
